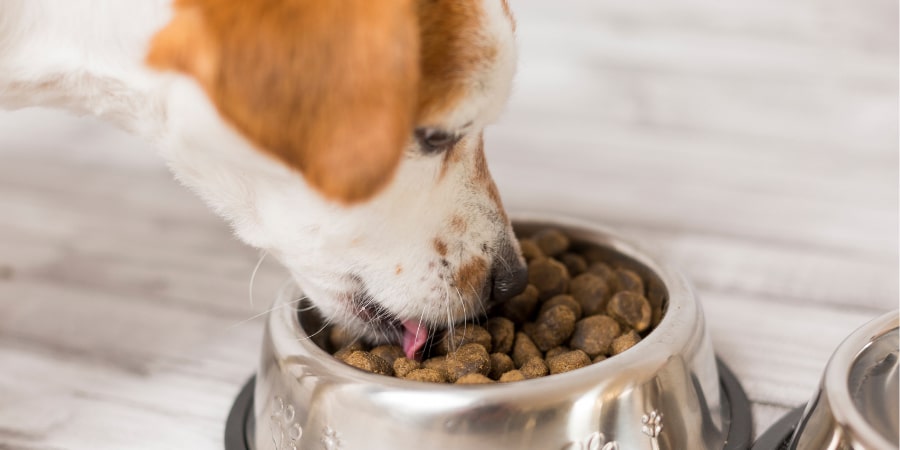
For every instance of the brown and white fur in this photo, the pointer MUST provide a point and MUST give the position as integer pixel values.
(306, 124)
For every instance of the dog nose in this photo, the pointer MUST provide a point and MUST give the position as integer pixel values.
(510, 277)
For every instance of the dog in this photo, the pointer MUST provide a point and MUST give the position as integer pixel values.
(343, 137)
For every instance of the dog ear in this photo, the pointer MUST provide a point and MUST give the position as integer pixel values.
(328, 87)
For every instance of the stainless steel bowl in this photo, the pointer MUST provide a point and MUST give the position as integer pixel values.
(856, 406)
(664, 393)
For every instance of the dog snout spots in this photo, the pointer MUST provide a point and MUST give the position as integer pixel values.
(472, 275)
(440, 246)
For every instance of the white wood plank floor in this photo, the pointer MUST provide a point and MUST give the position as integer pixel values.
(752, 145)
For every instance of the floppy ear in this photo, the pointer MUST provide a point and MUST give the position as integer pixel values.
(329, 87)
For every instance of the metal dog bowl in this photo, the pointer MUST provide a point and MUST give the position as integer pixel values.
(857, 405)
(667, 392)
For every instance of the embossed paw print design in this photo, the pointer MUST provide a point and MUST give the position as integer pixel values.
(285, 432)
(652, 427)
(593, 441)
(330, 439)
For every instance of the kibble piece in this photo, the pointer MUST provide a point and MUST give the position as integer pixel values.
(631, 309)
(461, 335)
(474, 378)
(656, 295)
(389, 353)
(530, 250)
(549, 276)
(603, 270)
(403, 366)
(470, 358)
(426, 375)
(593, 254)
(598, 358)
(369, 362)
(528, 328)
(551, 241)
(345, 351)
(520, 308)
(554, 327)
(565, 300)
(503, 334)
(629, 281)
(594, 334)
(591, 291)
(657, 317)
(511, 376)
(556, 351)
(569, 361)
(575, 263)
(534, 368)
(624, 342)
(438, 363)
(524, 349)
(500, 364)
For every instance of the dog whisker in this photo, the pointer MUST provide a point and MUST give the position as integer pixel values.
(262, 258)
(289, 303)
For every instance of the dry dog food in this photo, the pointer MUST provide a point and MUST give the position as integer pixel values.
(579, 308)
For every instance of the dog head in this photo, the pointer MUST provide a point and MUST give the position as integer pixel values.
(345, 138)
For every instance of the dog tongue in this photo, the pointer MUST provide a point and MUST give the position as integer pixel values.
(414, 336)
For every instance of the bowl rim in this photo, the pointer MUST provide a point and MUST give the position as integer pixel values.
(837, 372)
(682, 324)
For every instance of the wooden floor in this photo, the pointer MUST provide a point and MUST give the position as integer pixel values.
(752, 145)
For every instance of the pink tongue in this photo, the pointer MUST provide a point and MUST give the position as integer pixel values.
(414, 336)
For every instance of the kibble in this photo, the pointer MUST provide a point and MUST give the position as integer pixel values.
(629, 281)
(474, 378)
(568, 361)
(593, 335)
(462, 335)
(524, 349)
(519, 308)
(549, 276)
(631, 309)
(500, 364)
(530, 250)
(470, 358)
(369, 362)
(553, 327)
(551, 241)
(582, 306)
(556, 351)
(345, 351)
(512, 375)
(534, 368)
(503, 334)
(565, 300)
(591, 291)
(606, 272)
(574, 262)
(624, 342)
(426, 375)
(403, 366)
(389, 353)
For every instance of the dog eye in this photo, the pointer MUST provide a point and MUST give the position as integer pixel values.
(435, 141)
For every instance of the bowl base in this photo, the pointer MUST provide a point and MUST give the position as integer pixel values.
(778, 436)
